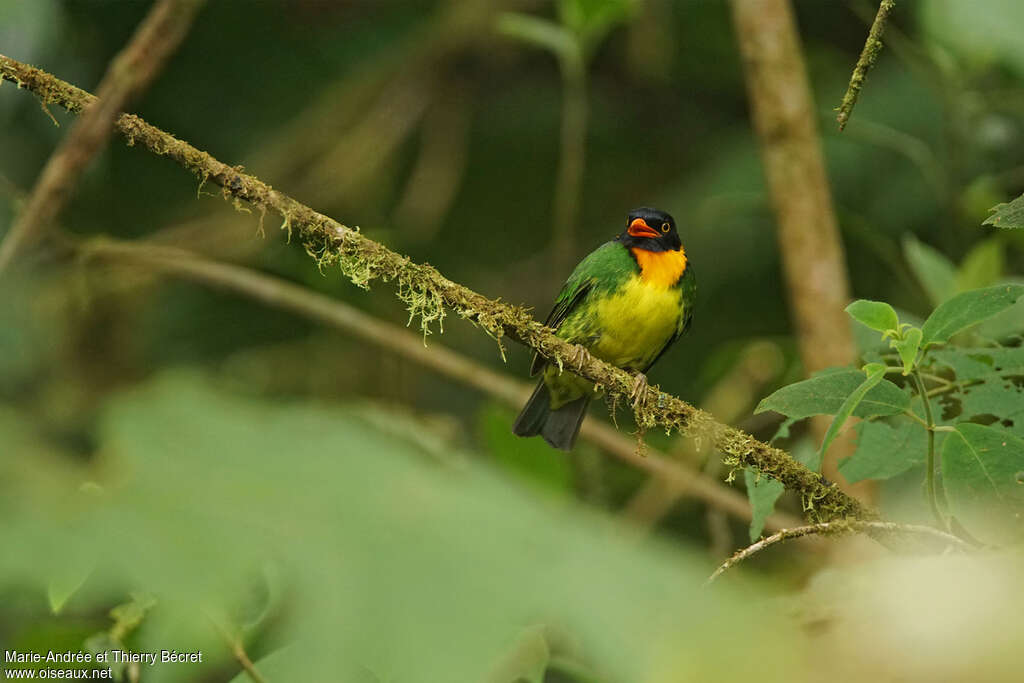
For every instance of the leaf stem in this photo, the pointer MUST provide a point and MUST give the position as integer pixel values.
(912, 415)
(936, 378)
(930, 426)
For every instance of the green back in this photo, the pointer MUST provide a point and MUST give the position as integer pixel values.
(604, 270)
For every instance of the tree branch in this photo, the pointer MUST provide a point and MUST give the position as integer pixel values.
(874, 528)
(427, 293)
(868, 56)
(676, 477)
(129, 73)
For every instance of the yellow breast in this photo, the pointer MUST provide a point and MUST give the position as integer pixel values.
(636, 323)
(660, 268)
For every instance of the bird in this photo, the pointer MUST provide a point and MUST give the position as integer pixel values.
(625, 303)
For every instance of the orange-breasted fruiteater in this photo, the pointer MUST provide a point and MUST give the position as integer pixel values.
(625, 303)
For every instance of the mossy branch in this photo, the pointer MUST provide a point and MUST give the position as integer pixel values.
(868, 56)
(427, 293)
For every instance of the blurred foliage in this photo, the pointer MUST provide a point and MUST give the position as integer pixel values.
(354, 517)
(398, 564)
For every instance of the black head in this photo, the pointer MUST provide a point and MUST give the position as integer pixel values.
(650, 229)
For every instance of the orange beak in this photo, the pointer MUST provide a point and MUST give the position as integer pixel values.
(639, 228)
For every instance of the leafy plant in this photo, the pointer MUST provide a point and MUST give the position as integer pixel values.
(1008, 215)
(937, 397)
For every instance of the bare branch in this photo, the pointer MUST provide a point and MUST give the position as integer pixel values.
(428, 294)
(128, 74)
(873, 528)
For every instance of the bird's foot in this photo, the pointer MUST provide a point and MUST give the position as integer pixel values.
(580, 356)
(638, 394)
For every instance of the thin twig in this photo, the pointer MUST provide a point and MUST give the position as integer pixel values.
(428, 294)
(128, 74)
(872, 46)
(874, 528)
(234, 643)
(675, 476)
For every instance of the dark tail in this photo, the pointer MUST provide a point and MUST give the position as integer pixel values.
(558, 427)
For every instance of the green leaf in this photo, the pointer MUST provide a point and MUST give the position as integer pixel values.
(1007, 326)
(967, 309)
(762, 491)
(983, 475)
(875, 374)
(525, 661)
(825, 393)
(539, 33)
(883, 451)
(935, 272)
(907, 348)
(969, 363)
(783, 431)
(877, 315)
(983, 265)
(591, 20)
(998, 397)
(980, 363)
(65, 583)
(1009, 215)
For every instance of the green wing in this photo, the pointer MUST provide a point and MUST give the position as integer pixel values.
(602, 269)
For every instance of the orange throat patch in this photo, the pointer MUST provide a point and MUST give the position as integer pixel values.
(660, 268)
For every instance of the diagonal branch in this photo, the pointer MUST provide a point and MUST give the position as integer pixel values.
(428, 293)
(128, 74)
(272, 291)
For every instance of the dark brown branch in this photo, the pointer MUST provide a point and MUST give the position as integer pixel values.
(428, 294)
(868, 56)
(128, 74)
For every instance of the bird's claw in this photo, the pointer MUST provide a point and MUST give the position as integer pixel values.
(638, 394)
(580, 356)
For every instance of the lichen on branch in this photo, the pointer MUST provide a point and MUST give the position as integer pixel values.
(428, 293)
(868, 56)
